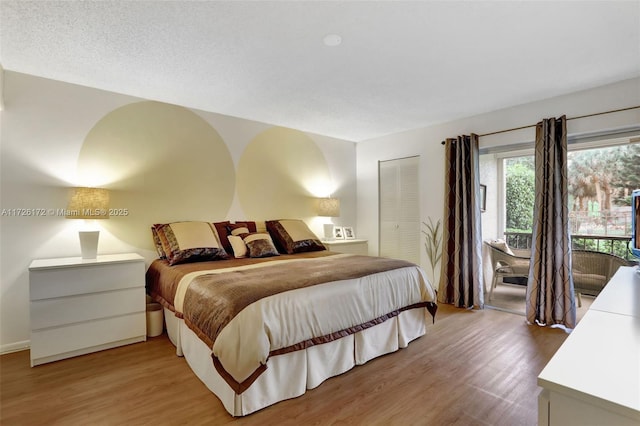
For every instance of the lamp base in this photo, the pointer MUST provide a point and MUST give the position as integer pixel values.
(328, 231)
(89, 244)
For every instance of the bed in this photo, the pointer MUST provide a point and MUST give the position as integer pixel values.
(260, 328)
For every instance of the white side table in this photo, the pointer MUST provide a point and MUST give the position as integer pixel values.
(348, 246)
(79, 306)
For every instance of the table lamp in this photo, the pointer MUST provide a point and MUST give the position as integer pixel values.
(88, 204)
(328, 207)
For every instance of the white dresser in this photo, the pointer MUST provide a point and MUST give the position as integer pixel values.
(79, 306)
(594, 377)
(348, 246)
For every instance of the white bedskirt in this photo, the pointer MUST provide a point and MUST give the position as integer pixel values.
(291, 374)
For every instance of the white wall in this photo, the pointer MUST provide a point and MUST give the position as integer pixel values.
(1, 88)
(47, 128)
(426, 142)
(489, 177)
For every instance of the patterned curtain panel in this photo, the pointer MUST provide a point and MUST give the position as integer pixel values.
(550, 295)
(461, 282)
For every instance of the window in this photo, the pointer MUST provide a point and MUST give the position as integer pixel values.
(602, 176)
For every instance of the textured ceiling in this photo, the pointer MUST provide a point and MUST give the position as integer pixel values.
(401, 65)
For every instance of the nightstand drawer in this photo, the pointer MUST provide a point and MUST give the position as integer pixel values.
(60, 282)
(48, 313)
(78, 306)
(56, 341)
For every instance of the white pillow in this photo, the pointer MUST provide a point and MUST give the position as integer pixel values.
(238, 246)
(501, 245)
(240, 231)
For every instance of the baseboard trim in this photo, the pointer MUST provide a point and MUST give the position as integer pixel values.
(15, 347)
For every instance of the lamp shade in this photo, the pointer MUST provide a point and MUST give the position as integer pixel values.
(88, 203)
(329, 207)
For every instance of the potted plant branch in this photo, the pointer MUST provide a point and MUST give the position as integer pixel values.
(433, 245)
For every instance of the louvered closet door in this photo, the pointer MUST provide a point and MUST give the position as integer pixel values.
(399, 199)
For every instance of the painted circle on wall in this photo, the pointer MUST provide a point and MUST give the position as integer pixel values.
(162, 163)
(277, 173)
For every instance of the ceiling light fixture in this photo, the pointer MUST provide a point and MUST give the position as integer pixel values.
(332, 40)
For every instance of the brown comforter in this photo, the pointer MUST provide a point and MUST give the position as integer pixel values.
(215, 299)
(163, 279)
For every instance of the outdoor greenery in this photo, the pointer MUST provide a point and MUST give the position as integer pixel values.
(619, 248)
(605, 176)
(600, 184)
(520, 194)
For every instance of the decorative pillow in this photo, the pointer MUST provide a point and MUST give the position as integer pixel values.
(237, 230)
(238, 246)
(293, 236)
(157, 243)
(501, 245)
(259, 244)
(223, 231)
(246, 223)
(184, 242)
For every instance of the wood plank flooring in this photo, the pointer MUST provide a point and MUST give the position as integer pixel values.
(472, 368)
(511, 297)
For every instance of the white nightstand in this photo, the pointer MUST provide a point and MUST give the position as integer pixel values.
(80, 305)
(348, 246)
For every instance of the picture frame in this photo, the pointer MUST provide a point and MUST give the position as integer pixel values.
(483, 198)
(338, 233)
(348, 233)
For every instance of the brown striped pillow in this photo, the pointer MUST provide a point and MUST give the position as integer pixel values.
(260, 244)
(224, 230)
(293, 236)
(184, 242)
(254, 244)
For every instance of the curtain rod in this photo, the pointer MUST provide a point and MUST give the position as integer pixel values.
(568, 119)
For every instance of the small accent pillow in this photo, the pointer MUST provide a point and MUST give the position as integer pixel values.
(238, 246)
(184, 242)
(224, 229)
(237, 230)
(293, 236)
(258, 244)
(501, 245)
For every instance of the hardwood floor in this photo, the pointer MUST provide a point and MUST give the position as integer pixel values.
(472, 368)
(511, 297)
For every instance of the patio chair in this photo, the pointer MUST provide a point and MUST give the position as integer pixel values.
(592, 270)
(506, 263)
